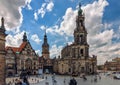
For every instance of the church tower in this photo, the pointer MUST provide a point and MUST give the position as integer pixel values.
(80, 34)
(45, 48)
(2, 52)
(25, 37)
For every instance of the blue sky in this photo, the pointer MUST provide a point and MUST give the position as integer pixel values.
(57, 17)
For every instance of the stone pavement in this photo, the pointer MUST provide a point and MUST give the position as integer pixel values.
(64, 80)
(105, 80)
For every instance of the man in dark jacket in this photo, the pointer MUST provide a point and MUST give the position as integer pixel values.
(73, 82)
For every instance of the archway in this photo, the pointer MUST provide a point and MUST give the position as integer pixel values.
(10, 73)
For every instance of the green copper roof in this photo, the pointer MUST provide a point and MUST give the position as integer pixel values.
(17, 52)
(80, 10)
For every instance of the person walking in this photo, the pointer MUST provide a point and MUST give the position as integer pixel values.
(73, 82)
(9, 83)
(64, 81)
(46, 83)
(84, 77)
(18, 82)
(23, 83)
(46, 77)
(26, 81)
(95, 79)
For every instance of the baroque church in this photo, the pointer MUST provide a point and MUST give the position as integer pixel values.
(75, 57)
(22, 58)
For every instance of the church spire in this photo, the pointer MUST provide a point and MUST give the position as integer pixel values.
(80, 33)
(45, 47)
(2, 22)
(80, 20)
(45, 39)
(2, 29)
(24, 37)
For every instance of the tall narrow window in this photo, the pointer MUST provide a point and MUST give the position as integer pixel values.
(62, 67)
(81, 38)
(81, 52)
(73, 52)
(77, 38)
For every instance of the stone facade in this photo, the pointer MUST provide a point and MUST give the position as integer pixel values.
(75, 57)
(113, 65)
(2, 52)
(21, 58)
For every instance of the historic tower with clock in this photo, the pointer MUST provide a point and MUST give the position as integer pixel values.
(45, 48)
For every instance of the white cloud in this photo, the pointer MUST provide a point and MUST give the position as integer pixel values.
(117, 34)
(50, 6)
(46, 7)
(14, 40)
(35, 16)
(35, 38)
(11, 11)
(101, 39)
(38, 52)
(55, 51)
(94, 13)
(68, 24)
(42, 27)
(28, 4)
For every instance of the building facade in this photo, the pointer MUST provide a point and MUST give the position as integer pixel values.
(113, 65)
(2, 52)
(21, 58)
(45, 63)
(75, 57)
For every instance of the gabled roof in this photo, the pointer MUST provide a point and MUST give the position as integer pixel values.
(13, 48)
(22, 46)
(17, 49)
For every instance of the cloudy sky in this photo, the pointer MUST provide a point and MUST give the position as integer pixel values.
(57, 17)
